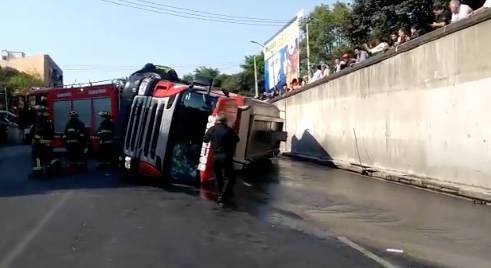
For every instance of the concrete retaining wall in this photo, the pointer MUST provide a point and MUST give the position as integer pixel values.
(423, 111)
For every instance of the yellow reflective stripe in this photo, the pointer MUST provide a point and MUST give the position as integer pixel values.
(70, 130)
(45, 141)
(106, 131)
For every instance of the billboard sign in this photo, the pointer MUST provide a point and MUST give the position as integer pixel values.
(282, 56)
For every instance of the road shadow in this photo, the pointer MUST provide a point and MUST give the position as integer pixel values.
(15, 179)
(308, 148)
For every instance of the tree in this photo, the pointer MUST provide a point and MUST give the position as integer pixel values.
(207, 72)
(187, 78)
(202, 71)
(17, 82)
(229, 82)
(379, 18)
(327, 33)
(242, 82)
(246, 76)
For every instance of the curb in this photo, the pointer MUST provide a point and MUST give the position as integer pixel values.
(430, 184)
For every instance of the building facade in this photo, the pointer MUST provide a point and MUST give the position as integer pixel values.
(40, 66)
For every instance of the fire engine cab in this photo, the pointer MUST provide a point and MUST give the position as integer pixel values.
(168, 120)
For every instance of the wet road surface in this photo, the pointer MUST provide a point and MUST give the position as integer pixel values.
(441, 230)
(96, 220)
(293, 215)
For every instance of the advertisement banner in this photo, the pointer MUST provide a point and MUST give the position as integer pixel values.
(282, 56)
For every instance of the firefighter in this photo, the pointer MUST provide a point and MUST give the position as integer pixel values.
(42, 134)
(105, 134)
(76, 138)
(223, 140)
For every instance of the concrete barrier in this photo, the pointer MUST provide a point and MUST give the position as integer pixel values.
(421, 113)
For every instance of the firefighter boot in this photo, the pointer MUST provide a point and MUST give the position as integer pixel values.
(37, 169)
(54, 167)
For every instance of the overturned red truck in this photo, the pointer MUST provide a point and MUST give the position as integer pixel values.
(165, 121)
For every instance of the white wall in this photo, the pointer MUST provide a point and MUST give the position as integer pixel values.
(424, 112)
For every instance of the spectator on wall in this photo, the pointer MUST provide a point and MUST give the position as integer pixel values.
(295, 84)
(345, 61)
(337, 65)
(416, 31)
(377, 46)
(403, 37)
(317, 75)
(393, 39)
(361, 55)
(459, 11)
(442, 16)
(486, 5)
(305, 80)
(325, 70)
(301, 82)
(285, 89)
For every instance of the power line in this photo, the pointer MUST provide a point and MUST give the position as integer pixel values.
(188, 15)
(162, 11)
(88, 67)
(215, 14)
(198, 14)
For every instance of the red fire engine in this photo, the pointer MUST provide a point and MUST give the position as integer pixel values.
(167, 122)
(88, 101)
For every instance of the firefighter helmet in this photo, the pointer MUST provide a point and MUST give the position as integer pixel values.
(73, 114)
(105, 114)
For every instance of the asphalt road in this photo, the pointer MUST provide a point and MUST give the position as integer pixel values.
(436, 229)
(96, 220)
(295, 214)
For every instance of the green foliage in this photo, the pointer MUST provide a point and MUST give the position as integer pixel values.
(379, 18)
(327, 33)
(206, 72)
(246, 78)
(229, 82)
(242, 82)
(187, 78)
(17, 82)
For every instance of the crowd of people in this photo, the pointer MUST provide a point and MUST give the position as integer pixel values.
(443, 16)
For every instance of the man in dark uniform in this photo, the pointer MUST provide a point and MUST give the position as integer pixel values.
(223, 140)
(105, 134)
(42, 134)
(75, 138)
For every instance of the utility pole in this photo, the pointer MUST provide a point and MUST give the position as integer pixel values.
(268, 50)
(5, 99)
(308, 47)
(255, 79)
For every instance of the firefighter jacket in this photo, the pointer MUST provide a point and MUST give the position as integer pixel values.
(105, 131)
(75, 132)
(43, 131)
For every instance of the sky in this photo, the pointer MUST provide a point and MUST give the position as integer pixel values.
(93, 40)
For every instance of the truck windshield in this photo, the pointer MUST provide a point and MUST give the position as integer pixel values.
(186, 135)
(198, 101)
